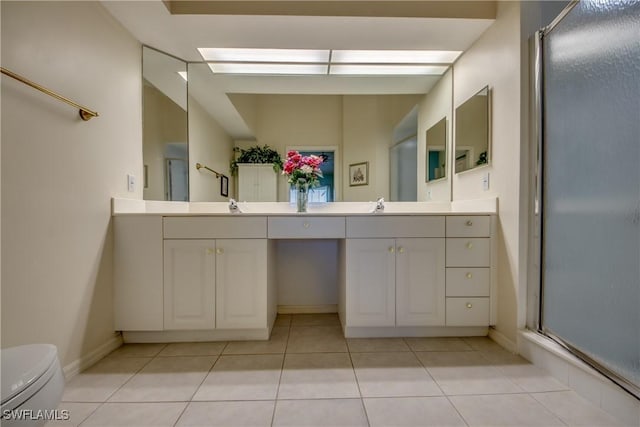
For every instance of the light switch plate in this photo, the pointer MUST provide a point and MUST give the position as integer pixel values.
(485, 181)
(131, 183)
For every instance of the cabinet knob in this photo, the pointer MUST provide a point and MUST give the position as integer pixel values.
(469, 245)
(306, 225)
(401, 249)
(209, 251)
(469, 275)
(469, 305)
(219, 251)
(469, 223)
(392, 249)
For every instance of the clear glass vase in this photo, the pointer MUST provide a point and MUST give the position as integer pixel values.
(303, 196)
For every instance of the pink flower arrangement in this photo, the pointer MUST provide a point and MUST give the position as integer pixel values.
(302, 169)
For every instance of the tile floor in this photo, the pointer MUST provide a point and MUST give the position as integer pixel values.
(308, 374)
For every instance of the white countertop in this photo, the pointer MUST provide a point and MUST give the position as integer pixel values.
(156, 207)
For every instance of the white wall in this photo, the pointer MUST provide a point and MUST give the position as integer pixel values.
(432, 108)
(59, 173)
(494, 60)
(211, 146)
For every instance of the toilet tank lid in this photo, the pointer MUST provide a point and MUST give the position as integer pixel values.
(23, 365)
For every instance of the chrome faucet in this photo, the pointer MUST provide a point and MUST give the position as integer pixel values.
(233, 206)
(380, 205)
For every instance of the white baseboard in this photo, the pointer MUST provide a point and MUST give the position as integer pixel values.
(89, 359)
(414, 331)
(502, 340)
(307, 309)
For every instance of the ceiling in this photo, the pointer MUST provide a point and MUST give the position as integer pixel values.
(455, 27)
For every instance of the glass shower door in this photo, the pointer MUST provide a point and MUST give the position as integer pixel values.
(591, 186)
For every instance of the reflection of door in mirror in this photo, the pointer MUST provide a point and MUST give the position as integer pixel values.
(472, 132)
(177, 188)
(164, 127)
(436, 151)
(325, 191)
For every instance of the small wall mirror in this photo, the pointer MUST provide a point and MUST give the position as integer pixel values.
(472, 132)
(164, 130)
(436, 161)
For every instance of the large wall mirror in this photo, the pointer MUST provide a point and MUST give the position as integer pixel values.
(358, 120)
(472, 132)
(164, 131)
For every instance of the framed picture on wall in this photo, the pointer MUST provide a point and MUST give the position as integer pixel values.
(224, 186)
(359, 174)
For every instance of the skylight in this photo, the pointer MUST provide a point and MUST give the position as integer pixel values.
(332, 62)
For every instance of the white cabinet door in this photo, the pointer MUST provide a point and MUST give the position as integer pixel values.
(257, 183)
(241, 283)
(420, 282)
(371, 265)
(189, 284)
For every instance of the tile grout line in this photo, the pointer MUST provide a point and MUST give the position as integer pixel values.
(218, 356)
(284, 355)
(364, 408)
(436, 383)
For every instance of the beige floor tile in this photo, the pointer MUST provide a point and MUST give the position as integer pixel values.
(412, 411)
(575, 410)
(166, 379)
(277, 343)
(367, 345)
(99, 382)
(483, 344)
(504, 410)
(76, 412)
(392, 375)
(531, 378)
(136, 414)
(466, 373)
(228, 414)
(320, 319)
(193, 349)
(315, 376)
(320, 412)
(283, 320)
(242, 377)
(137, 350)
(437, 344)
(316, 339)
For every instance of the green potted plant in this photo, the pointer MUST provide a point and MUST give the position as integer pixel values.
(257, 154)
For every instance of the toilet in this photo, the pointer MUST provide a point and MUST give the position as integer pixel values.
(32, 384)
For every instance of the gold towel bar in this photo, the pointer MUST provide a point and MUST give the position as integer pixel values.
(85, 113)
(199, 166)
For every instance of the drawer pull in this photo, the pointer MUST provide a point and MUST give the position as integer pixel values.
(469, 223)
(392, 249)
(469, 245)
(469, 305)
(219, 251)
(469, 275)
(401, 249)
(306, 225)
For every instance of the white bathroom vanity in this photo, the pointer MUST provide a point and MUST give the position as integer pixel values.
(195, 271)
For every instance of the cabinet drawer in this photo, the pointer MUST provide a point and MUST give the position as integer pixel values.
(467, 311)
(305, 227)
(393, 227)
(215, 228)
(468, 226)
(468, 282)
(472, 252)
